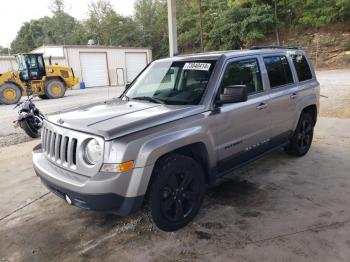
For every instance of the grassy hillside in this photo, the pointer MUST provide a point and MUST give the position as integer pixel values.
(326, 46)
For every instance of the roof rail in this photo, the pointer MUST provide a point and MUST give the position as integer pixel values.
(272, 47)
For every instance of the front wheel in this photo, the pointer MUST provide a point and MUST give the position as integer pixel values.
(29, 127)
(302, 138)
(176, 193)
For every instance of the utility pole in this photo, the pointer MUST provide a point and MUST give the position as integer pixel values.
(201, 24)
(173, 49)
(276, 22)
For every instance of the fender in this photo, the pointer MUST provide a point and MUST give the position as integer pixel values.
(153, 149)
(48, 78)
(306, 100)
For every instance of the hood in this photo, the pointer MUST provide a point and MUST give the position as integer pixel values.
(117, 118)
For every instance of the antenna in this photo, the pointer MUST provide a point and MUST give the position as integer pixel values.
(9, 54)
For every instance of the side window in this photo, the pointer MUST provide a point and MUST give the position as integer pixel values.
(244, 72)
(302, 67)
(278, 71)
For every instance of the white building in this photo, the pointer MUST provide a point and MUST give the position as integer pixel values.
(7, 63)
(94, 65)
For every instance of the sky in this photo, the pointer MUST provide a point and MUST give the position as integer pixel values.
(16, 12)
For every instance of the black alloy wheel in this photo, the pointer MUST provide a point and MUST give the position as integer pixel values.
(301, 140)
(176, 192)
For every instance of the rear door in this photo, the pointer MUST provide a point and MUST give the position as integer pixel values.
(283, 96)
(242, 130)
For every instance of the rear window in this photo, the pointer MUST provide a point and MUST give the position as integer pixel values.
(278, 71)
(302, 67)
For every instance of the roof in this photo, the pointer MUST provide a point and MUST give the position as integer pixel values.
(29, 53)
(235, 53)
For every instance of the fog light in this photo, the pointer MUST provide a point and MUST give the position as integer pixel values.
(117, 168)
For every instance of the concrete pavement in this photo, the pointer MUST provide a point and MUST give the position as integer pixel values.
(280, 208)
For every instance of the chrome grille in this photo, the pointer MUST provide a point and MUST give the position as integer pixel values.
(64, 147)
(60, 148)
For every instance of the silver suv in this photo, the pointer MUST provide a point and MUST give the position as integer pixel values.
(180, 125)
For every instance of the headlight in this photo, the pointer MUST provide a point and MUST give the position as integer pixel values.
(93, 152)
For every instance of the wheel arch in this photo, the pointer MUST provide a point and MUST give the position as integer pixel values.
(13, 83)
(309, 104)
(197, 151)
(312, 110)
(48, 78)
(199, 148)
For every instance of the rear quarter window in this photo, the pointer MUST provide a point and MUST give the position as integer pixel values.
(278, 70)
(302, 67)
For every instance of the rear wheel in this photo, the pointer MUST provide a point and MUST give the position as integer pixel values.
(302, 138)
(10, 94)
(176, 193)
(55, 88)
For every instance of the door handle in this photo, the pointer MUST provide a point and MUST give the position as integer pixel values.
(261, 106)
(293, 96)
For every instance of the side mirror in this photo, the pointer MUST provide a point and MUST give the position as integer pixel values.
(234, 94)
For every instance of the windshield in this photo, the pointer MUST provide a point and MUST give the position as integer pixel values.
(21, 62)
(176, 83)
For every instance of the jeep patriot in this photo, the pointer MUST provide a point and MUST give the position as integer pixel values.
(180, 125)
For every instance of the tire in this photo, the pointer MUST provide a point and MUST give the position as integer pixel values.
(55, 88)
(29, 128)
(176, 193)
(10, 94)
(43, 97)
(302, 138)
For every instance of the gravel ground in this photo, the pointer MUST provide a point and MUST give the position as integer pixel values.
(335, 89)
(74, 98)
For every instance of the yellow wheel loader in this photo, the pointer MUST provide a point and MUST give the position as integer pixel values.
(33, 77)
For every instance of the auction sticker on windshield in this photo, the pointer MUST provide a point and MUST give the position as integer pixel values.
(197, 66)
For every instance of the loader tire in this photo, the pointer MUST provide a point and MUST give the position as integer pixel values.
(43, 97)
(55, 88)
(10, 94)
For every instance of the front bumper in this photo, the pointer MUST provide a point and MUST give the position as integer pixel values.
(94, 193)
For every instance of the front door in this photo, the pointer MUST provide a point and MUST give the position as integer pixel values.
(242, 130)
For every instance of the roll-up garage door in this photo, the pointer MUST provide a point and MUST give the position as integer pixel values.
(135, 62)
(94, 69)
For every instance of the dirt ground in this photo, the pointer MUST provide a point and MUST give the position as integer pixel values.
(335, 91)
(279, 208)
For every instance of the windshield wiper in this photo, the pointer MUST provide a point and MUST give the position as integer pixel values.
(149, 99)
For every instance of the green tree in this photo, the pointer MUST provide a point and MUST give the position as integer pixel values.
(322, 12)
(30, 36)
(151, 18)
(235, 24)
(106, 27)
(4, 50)
(227, 24)
(59, 29)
